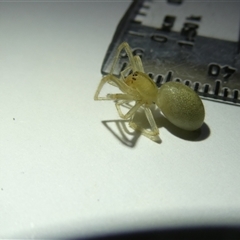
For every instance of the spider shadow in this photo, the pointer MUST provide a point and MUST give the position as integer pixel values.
(197, 135)
(129, 138)
(126, 137)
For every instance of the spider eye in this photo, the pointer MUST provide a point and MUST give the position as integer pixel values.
(135, 74)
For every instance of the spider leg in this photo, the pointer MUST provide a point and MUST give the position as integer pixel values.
(128, 50)
(100, 86)
(131, 112)
(125, 72)
(139, 64)
(153, 132)
(153, 125)
(120, 96)
(135, 64)
(114, 81)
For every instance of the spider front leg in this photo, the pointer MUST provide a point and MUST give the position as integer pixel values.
(132, 60)
(139, 64)
(110, 79)
(128, 69)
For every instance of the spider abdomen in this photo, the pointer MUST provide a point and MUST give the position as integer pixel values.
(181, 105)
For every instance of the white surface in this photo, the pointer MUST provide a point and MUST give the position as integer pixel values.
(62, 172)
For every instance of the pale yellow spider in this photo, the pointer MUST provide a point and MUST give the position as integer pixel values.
(179, 103)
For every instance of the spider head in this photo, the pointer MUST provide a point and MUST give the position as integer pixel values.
(131, 79)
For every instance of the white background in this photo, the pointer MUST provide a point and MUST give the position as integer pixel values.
(65, 168)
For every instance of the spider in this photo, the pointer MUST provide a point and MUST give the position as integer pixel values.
(178, 102)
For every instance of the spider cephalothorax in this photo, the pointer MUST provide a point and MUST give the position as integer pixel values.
(144, 86)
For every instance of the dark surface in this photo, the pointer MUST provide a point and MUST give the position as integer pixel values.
(201, 233)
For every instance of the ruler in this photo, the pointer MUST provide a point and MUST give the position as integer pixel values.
(192, 42)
